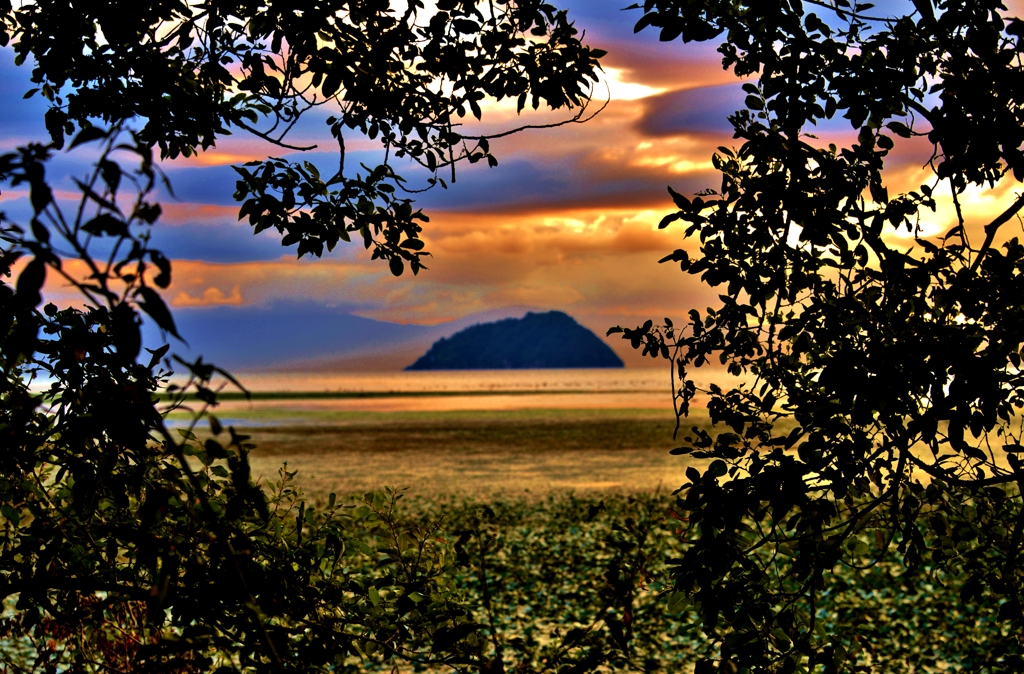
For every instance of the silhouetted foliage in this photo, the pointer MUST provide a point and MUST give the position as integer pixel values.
(128, 542)
(192, 72)
(880, 409)
(548, 340)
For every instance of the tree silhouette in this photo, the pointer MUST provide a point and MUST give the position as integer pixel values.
(880, 414)
(129, 544)
(189, 73)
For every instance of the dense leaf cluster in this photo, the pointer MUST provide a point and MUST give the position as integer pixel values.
(570, 581)
(127, 543)
(192, 72)
(882, 374)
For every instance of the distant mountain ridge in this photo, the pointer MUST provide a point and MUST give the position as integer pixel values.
(274, 336)
(535, 341)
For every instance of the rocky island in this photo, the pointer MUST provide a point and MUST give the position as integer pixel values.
(535, 341)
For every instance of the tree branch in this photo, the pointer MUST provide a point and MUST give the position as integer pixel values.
(949, 479)
(72, 584)
(578, 118)
(275, 141)
(993, 227)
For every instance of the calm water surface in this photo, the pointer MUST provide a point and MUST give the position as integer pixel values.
(484, 432)
(470, 381)
(464, 390)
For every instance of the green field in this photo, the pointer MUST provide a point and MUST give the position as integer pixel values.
(562, 506)
(551, 536)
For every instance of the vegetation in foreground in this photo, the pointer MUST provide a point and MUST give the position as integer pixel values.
(860, 335)
(564, 583)
(828, 557)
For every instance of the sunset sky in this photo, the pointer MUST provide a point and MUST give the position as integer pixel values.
(567, 221)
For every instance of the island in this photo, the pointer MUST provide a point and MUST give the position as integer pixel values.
(535, 341)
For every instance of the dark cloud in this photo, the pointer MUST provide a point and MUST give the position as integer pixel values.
(201, 184)
(226, 242)
(643, 57)
(706, 110)
(571, 182)
(515, 186)
(216, 184)
(700, 110)
(608, 21)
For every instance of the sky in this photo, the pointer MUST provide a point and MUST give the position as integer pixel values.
(567, 220)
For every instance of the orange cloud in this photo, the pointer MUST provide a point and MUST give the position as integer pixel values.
(587, 262)
(210, 297)
(669, 66)
(591, 252)
(329, 280)
(206, 214)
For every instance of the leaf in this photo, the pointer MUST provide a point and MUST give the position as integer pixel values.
(157, 355)
(217, 451)
(40, 231)
(153, 304)
(106, 224)
(87, 135)
(40, 195)
(681, 202)
(11, 514)
(397, 266)
(30, 281)
(644, 21)
(331, 84)
(668, 220)
(163, 279)
(56, 121)
(445, 637)
(678, 602)
(126, 336)
(900, 129)
(91, 194)
(111, 174)
(148, 213)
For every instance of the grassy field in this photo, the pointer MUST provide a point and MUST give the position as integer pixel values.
(556, 536)
(460, 452)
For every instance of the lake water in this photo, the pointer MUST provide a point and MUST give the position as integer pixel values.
(469, 381)
(465, 390)
(477, 432)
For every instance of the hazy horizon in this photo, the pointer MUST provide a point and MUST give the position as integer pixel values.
(567, 221)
